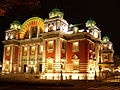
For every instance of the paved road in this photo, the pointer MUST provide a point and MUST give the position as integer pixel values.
(23, 82)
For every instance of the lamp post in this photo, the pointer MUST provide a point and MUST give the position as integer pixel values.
(95, 75)
(61, 73)
(95, 71)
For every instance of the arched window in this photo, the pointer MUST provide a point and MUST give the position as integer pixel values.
(34, 31)
(75, 46)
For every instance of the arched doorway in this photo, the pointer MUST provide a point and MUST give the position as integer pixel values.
(25, 66)
(32, 70)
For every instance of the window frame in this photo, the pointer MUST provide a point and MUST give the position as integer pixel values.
(75, 48)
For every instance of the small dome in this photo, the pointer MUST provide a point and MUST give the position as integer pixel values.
(56, 9)
(16, 22)
(56, 13)
(15, 25)
(90, 23)
(106, 38)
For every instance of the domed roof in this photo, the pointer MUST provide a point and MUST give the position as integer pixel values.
(15, 25)
(15, 22)
(106, 38)
(56, 9)
(56, 13)
(90, 23)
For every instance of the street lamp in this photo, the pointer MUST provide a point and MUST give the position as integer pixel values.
(95, 71)
(95, 75)
(61, 72)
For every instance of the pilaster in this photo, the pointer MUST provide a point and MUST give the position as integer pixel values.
(28, 57)
(57, 53)
(20, 58)
(43, 60)
(12, 58)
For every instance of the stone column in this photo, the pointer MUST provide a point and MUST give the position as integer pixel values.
(43, 58)
(97, 49)
(20, 59)
(12, 58)
(57, 53)
(36, 58)
(28, 57)
(30, 33)
(38, 31)
(58, 25)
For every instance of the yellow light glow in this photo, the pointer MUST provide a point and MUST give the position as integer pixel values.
(8, 48)
(41, 48)
(25, 48)
(34, 21)
(33, 47)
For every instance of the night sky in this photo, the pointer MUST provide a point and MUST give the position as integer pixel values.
(105, 13)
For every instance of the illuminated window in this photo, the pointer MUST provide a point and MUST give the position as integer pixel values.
(41, 48)
(25, 50)
(50, 46)
(106, 57)
(33, 50)
(50, 65)
(75, 65)
(24, 58)
(75, 46)
(50, 27)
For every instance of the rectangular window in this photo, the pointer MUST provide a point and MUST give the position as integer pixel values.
(25, 51)
(49, 65)
(75, 65)
(50, 46)
(75, 46)
(33, 50)
(40, 49)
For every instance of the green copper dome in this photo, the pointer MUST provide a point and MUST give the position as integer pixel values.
(15, 25)
(90, 23)
(16, 22)
(56, 13)
(56, 9)
(106, 38)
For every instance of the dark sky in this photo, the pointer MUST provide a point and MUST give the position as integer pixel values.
(105, 13)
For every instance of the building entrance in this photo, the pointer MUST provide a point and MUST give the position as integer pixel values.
(32, 70)
(40, 68)
(25, 68)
